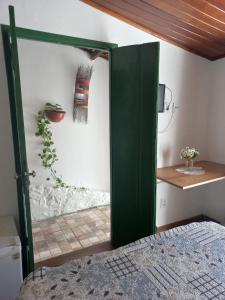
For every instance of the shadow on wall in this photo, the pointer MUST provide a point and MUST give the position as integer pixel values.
(214, 202)
(166, 154)
(8, 194)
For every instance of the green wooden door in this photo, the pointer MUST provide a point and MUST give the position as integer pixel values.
(134, 86)
(22, 177)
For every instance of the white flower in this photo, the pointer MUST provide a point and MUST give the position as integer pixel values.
(189, 153)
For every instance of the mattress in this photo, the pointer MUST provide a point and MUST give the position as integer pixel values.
(187, 262)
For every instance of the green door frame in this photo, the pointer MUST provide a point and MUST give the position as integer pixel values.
(144, 191)
(40, 36)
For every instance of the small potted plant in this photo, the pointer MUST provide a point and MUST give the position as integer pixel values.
(189, 154)
(54, 112)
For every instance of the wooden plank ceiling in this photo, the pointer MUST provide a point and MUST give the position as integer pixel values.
(195, 25)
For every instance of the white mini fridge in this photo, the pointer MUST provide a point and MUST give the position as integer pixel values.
(10, 259)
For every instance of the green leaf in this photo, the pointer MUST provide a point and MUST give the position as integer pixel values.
(48, 155)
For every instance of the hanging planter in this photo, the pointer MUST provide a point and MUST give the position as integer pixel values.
(80, 110)
(54, 112)
(48, 153)
(54, 116)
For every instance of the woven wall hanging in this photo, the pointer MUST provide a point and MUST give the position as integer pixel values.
(80, 110)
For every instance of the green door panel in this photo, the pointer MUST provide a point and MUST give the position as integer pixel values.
(134, 86)
(148, 135)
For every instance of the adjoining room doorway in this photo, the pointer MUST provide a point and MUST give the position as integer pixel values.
(133, 124)
(70, 209)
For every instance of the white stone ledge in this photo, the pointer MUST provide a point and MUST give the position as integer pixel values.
(47, 201)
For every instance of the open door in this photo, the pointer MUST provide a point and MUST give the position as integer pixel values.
(22, 175)
(134, 86)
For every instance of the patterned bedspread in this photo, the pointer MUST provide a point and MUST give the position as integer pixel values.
(187, 262)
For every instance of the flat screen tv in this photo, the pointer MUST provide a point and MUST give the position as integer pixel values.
(161, 98)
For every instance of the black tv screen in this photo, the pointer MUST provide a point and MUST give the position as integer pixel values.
(161, 97)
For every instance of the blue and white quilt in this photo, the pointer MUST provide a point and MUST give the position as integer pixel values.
(186, 262)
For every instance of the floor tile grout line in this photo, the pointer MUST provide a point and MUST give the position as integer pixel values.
(94, 215)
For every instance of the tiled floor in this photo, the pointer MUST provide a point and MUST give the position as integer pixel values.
(63, 234)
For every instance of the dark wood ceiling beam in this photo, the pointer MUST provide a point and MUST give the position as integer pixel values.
(206, 8)
(219, 4)
(186, 25)
(195, 25)
(127, 20)
(125, 10)
(200, 34)
(168, 17)
(197, 20)
(163, 16)
(199, 12)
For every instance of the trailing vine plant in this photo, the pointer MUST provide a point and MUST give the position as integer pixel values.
(48, 153)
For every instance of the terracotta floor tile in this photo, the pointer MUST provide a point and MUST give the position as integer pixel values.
(37, 229)
(99, 232)
(72, 239)
(36, 257)
(41, 243)
(76, 225)
(38, 238)
(52, 245)
(64, 245)
(78, 233)
(85, 243)
(43, 225)
(70, 232)
(85, 228)
(45, 254)
(85, 236)
(55, 252)
(51, 221)
(93, 239)
(67, 230)
(64, 227)
(55, 227)
(60, 238)
(70, 222)
(69, 235)
(38, 233)
(76, 245)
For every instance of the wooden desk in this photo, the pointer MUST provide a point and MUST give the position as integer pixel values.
(214, 172)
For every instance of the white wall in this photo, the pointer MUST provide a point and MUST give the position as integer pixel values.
(214, 204)
(48, 73)
(187, 76)
(185, 73)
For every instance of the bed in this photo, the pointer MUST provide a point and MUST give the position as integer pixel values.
(187, 262)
